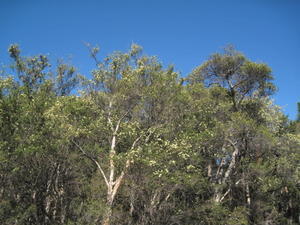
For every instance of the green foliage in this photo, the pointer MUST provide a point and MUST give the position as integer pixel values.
(134, 144)
(234, 72)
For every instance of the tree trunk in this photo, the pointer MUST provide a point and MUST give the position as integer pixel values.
(222, 179)
(108, 214)
(109, 200)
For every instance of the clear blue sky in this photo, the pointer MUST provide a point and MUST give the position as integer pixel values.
(179, 32)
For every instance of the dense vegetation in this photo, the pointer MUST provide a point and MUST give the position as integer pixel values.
(135, 143)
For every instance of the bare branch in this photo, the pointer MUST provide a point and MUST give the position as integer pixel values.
(233, 160)
(93, 52)
(109, 115)
(227, 192)
(117, 183)
(119, 122)
(94, 160)
(222, 163)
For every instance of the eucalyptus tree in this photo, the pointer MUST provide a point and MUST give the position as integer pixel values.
(233, 71)
(239, 130)
(35, 173)
(125, 103)
(136, 145)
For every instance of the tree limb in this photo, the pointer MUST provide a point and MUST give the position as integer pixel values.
(94, 160)
(232, 162)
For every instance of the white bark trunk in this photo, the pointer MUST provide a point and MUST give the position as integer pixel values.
(220, 179)
(231, 164)
(113, 184)
(248, 196)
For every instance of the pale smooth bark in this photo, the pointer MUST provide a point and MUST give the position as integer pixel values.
(112, 181)
(232, 162)
(221, 177)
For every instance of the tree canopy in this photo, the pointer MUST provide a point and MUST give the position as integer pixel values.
(135, 143)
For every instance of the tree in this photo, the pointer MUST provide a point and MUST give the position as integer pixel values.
(127, 109)
(37, 176)
(134, 144)
(233, 71)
